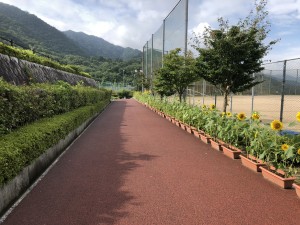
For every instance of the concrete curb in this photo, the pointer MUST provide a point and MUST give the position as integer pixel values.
(13, 190)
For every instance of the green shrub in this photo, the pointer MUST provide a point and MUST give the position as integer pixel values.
(125, 94)
(19, 148)
(20, 105)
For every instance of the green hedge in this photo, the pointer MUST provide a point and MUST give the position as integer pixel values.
(19, 148)
(20, 105)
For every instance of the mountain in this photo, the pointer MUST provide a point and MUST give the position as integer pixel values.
(96, 46)
(28, 31)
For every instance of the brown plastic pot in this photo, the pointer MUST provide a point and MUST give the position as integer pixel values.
(297, 188)
(285, 183)
(205, 138)
(231, 153)
(252, 164)
(215, 145)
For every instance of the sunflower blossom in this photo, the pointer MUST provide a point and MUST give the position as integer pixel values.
(298, 116)
(284, 147)
(255, 116)
(229, 114)
(276, 125)
(241, 116)
(212, 106)
(298, 151)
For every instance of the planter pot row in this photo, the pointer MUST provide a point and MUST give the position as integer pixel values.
(232, 152)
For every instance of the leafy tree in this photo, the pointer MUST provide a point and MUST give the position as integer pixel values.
(162, 85)
(233, 53)
(177, 73)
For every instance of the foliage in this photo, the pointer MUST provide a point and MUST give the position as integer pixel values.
(19, 148)
(124, 94)
(233, 53)
(30, 56)
(177, 73)
(260, 140)
(162, 85)
(67, 48)
(95, 46)
(20, 105)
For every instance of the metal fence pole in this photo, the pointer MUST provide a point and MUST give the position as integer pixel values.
(164, 37)
(270, 82)
(231, 102)
(146, 61)
(252, 97)
(151, 84)
(296, 86)
(282, 91)
(186, 26)
(203, 91)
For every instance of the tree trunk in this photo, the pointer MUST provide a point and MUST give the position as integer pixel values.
(226, 93)
(180, 97)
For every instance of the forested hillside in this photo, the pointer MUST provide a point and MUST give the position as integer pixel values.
(104, 61)
(96, 46)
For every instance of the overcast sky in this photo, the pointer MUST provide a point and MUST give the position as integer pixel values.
(130, 23)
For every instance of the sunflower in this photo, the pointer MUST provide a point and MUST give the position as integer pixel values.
(203, 106)
(276, 125)
(223, 114)
(241, 116)
(298, 151)
(255, 116)
(212, 106)
(229, 114)
(284, 147)
(298, 116)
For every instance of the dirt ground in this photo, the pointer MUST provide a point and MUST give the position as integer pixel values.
(268, 106)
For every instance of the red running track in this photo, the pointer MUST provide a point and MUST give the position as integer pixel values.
(133, 167)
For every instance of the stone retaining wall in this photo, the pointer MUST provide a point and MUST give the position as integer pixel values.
(19, 72)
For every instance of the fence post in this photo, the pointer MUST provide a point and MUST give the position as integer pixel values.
(296, 86)
(282, 90)
(252, 95)
(203, 90)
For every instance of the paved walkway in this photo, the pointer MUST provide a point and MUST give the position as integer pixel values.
(133, 167)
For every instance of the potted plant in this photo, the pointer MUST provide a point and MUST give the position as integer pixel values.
(255, 137)
(280, 157)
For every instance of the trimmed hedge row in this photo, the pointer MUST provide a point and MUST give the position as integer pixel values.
(20, 105)
(19, 148)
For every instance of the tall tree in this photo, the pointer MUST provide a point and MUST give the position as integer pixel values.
(232, 54)
(177, 73)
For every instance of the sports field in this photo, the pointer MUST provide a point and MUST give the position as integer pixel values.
(268, 106)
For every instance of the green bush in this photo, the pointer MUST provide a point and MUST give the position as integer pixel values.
(125, 94)
(19, 148)
(20, 105)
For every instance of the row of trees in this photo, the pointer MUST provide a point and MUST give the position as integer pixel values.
(228, 57)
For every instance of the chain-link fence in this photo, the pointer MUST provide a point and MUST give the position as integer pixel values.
(170, 35)
(276, 97)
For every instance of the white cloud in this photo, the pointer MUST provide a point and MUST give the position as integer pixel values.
(130, 23)
(200, 28)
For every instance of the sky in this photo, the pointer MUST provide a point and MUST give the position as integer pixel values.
(130, 23)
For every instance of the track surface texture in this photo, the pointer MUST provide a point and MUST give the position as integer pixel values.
(133, 167)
